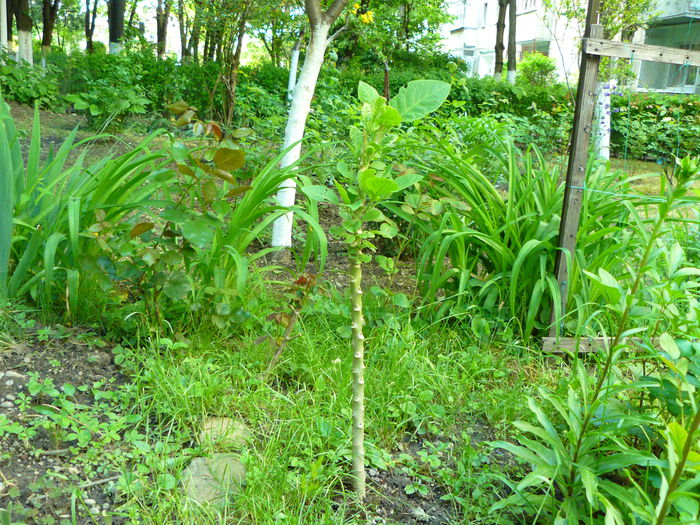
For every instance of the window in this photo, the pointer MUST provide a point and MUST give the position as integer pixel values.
(482, 14)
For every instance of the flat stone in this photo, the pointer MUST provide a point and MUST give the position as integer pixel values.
(10, 397)
(11, 374)
(7, 404)
(225, 432)
(213, 479)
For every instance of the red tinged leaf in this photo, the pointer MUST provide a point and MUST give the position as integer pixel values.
(141, 228)
(213, 129)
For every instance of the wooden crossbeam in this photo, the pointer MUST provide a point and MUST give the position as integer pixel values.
(666, 55)
(585, 345)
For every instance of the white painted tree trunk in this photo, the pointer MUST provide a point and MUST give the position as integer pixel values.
(511, 76)
(24, 47)
(296, 123)
(3, 26)
(115, 48)
(603, 120)
(293, 67)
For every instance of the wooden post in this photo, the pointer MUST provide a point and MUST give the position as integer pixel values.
(578, 159)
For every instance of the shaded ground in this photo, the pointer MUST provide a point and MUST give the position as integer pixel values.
(46, 474)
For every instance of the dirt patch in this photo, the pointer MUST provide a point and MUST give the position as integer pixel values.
(51, 389)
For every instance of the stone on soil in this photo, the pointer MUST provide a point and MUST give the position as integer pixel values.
(213, 479)
(227, 433)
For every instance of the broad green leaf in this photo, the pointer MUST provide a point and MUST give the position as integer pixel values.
(388, 230)
(229, 159)
(389, 118)
(366, 93)
(198, 232)
(320, 193)
(420, 98)
(379, 188)
(177, 286)
(668, 344)
(408, 180)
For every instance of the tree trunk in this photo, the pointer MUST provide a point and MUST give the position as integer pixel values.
(116, 25)
(500, 30)
(296, 123)
(512, 22)
(132, 14)
(162, 18)
(48, 14)
(320, 23)
(387, 81)
(12, 6)
(90, 18)
(24, 33)
(4, 8)
(184, 30)
(196, 32)
(294, 66)
(235, 63)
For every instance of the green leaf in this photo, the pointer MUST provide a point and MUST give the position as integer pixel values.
(198, 232)
(379, 188)
(419, 98)
(389, 118)
(320, 193)
(388, 230)
(177, 286)
(229, 159)
(408, 180)
(366, 93)
(668, 345)
(401, 300)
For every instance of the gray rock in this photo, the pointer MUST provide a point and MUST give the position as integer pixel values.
(90, 502)
(7, 404)
(10, 397)
(225, 432)
(11, 374)
(94, 510)
(9, 382)
(213, 479)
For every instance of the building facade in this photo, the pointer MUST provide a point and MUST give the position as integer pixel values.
(471, 36)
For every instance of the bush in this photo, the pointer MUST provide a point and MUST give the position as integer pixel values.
(537, 69)
(655, 126)
(29, 85)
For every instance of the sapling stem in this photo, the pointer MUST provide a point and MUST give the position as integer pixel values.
(358, 370)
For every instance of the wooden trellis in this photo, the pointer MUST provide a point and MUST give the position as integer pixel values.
(594, 47)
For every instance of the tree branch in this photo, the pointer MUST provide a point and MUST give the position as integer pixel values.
(335, 9)
(313, 11)
(337, 34)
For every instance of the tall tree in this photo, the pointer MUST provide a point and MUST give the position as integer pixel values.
(320, 22)
(115, 17)
(49, 12)
(162, 18)
(24, 32)
(90, 19)
(512, 30)
(4, 8)
(500, 31)
(185, 29)
(231, 76)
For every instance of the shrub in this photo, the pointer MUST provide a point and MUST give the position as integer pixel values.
(537, 69)
(28, 85)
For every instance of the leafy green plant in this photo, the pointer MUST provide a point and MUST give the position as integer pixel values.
(49, 205)
(360, 193)
(607, 436)
(537, 69)
(29, 85)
